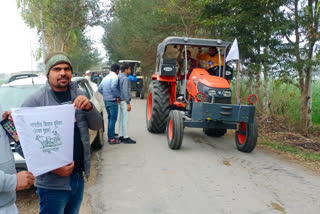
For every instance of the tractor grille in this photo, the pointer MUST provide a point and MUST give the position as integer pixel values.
(218, 98)
(223, 100)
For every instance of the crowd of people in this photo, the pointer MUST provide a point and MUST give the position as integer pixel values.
(116, 91)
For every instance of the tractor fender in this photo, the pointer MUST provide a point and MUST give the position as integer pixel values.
(163, 78)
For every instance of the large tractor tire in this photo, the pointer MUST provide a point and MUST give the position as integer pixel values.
(246, 136)
(98, 142)
(175, 130)
(158, 102)
(141, 90)
(214, 132)
(137, 93)
(142, 94)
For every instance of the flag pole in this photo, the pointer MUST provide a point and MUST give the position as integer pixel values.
(238, 96)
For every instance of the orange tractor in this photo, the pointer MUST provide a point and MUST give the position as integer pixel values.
(196, 93)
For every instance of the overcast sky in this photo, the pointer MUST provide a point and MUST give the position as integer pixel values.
(19, 43)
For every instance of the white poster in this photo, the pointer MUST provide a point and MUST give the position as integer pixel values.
(46, 136)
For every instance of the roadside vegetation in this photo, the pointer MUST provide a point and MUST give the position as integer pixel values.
(278, 42)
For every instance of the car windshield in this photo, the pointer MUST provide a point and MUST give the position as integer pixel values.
(14, 96)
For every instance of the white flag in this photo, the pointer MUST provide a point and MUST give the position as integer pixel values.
(234, 52)
(46, 136)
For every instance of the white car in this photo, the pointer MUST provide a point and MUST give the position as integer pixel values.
(13, 94)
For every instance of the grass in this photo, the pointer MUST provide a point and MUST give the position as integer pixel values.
(284, 101)
(316, 102)
(291, 150)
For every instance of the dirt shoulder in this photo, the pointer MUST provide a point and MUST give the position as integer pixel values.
(276, 136)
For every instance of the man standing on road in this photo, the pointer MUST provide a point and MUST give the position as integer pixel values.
(10, 180)
(125, 107)
(61, 190)
(110, 91)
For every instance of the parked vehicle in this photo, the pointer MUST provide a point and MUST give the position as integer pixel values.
(13, 94)
(205, 101)
(20, 76)
(136, 77)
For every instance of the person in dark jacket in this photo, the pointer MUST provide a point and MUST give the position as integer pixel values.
(61, 190)
(125, 107)
(10, 180)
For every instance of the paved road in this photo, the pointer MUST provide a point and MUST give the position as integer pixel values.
(208, 175)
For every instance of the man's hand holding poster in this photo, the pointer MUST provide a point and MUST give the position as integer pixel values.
(46, 136)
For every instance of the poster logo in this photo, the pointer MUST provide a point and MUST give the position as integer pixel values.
(47, 135)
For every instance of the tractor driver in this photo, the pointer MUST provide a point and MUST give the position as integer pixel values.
(191, 63)
(212, 60)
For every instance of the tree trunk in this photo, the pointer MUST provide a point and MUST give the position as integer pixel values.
(306, 104)
(309, 104)
(258, 83)
(266, 94)
(250, 82)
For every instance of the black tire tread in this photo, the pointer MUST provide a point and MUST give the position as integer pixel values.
(177, 122)
(96, 144)
(160, 106)
(137, 93)
(251, 138)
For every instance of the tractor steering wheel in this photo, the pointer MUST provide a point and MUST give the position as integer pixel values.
(214, 71)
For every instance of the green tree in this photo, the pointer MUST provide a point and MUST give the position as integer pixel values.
(63, 24)
(137, 27)
(301, 34)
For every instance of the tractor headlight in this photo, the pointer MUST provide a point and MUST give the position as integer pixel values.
(212, 92)
(227, 93)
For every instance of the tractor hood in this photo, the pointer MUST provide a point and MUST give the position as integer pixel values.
(199, 75)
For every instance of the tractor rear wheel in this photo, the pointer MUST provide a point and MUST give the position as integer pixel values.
(214, 132)
(142, 94)
(137, 93)
(246, 136)
(175, 129)
(158, 102)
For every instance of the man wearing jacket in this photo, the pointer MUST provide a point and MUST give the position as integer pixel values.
(61, 190)
(110, 91)
(212, 59)
(125, 107)
(10, 180)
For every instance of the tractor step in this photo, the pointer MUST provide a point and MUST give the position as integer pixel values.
(226, 107)
(226, 113)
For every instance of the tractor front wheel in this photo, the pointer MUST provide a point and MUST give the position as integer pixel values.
(246, 136)
(213, 132)
(175, 129)
(158, 102)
